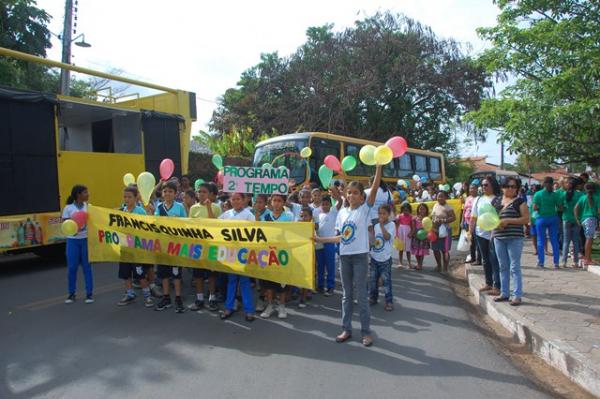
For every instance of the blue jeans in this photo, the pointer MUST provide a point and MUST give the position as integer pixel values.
(326, 263)
(77, 254)
(570, 233)
(383, 270)
(551, 224)
(490, 261)
(354, 272)
(509, 252)
(245, 289)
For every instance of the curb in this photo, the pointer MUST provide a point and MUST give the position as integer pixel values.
(553, 350)
(594, 269)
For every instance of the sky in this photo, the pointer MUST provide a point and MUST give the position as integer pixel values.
(204, 46)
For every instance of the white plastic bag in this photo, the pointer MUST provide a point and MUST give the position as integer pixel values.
(443, 231)
(463, 242)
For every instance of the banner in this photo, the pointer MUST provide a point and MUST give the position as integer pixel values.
(30, 230)
(266, 180)
(280, 252)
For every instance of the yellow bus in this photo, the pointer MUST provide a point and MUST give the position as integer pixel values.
(285, 151)
(52, 142)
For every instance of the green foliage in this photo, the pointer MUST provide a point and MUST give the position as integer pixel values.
(23, 27)
(385, 76)
(457, 171)
(552, 111)
(238, 142)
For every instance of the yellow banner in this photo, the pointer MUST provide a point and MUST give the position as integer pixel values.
(280, 252)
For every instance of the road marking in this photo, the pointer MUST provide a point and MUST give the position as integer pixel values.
(45, 303)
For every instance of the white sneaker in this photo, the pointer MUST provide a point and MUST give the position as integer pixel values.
(89, 299)
(468, 258)
(268, 312)
(281, 312)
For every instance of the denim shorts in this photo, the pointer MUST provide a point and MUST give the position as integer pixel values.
(589, 227)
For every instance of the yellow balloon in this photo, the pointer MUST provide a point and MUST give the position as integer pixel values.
(128, 179)
(367, 154)
(383, 155)
(306, 152)
(146, 183)
(398, 244)
(427, 224)
(69, 227)
(488, 221)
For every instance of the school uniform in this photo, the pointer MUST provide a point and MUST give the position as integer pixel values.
(326, 255)
(234, 279)
(176, 210)
(77, 253)
(381, 261)
(129, 270)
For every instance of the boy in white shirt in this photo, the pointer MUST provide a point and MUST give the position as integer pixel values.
(381, 258)
(326, 255)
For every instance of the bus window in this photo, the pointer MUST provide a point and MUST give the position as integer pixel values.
(283, 153)
(320, 149)
(405, 168)
(361, 169)
(391, 170)
(99, 129)
(420, 164)
(434, 168)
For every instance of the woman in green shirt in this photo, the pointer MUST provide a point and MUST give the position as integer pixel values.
(570, 226)
(586, 214)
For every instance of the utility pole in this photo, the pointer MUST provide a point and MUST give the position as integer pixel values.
(65, 74)
(502, 155)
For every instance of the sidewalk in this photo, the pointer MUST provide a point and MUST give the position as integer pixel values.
(559, 319)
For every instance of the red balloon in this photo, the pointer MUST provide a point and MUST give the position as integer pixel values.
(431, 236)
(332, 163)
(167, 167)
(80, 218)
(398, 145)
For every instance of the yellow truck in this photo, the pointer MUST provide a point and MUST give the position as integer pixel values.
(52, 142)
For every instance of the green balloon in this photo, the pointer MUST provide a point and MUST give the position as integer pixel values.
(348, 163)
(217, 160)
(421, 234)
(488, 221)
(325, 175)
(487, 208)
(197, 183)
(266, 165)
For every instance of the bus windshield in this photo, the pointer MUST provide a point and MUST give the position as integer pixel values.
(283, 153)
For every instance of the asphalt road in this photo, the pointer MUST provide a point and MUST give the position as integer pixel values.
(425, 348)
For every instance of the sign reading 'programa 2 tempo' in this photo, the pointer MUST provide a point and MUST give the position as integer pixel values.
(269, 180)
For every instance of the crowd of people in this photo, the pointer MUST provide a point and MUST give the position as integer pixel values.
(564, 213)
(356, 232)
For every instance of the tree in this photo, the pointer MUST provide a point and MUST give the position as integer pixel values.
(239, 142)
(529, 164)
(386, 75)
(552, 49)
(23, 27)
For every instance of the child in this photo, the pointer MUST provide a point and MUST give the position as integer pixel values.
(170, 208)
(381, 257)
(586, 214)
(326, 255)
(260, 207)
(239, 212)
(354, 247)
(442, 215)
(189, 200)
(77, 249)
(306, 215)
(420, 248)
(127, 270)
(276, 214)
(205, 209)
(305, 198)
(404, 221)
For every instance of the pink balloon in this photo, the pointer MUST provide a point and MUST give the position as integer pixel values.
(220, 178)
(332, 163)
(80, 218)
(166, 168)
(398, 145)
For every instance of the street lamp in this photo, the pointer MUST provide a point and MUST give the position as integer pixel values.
(82, 42)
